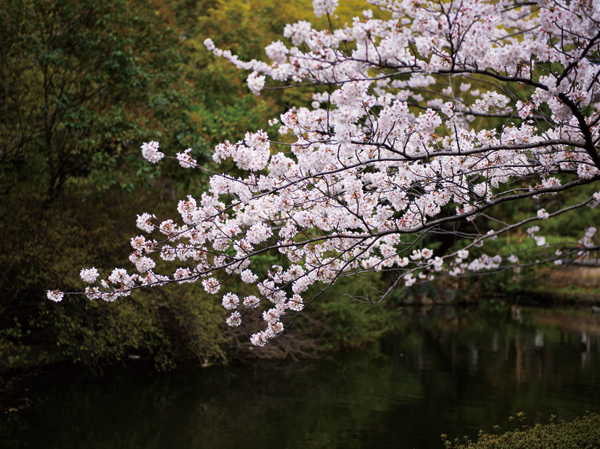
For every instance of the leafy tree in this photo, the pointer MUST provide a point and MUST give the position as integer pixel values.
(423, 124)
(82, 82)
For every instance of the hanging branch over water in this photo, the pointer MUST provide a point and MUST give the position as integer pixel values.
(434, 116)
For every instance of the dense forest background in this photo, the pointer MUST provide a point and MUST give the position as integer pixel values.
(83, 84)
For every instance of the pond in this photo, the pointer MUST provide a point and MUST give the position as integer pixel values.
(451, 371)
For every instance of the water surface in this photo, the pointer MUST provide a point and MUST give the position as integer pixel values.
(451, 371)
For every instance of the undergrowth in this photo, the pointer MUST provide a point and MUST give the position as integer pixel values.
(581, 433)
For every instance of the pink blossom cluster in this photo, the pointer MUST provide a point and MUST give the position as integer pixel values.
(151, 153)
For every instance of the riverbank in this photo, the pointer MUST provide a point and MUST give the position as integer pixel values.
(575, 284)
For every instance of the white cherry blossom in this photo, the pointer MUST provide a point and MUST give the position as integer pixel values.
(399, 149)
(89, 275)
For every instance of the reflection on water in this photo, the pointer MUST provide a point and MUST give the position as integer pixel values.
(450, 371)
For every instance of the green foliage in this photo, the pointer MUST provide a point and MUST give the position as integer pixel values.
(12, 350)
(76, 231)
(512, 281)
(352, 314)
(83, 84)
(225, 107)
(163, 327)
(581, 433)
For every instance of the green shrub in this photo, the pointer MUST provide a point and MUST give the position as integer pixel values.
(161, 326)
(581, 433)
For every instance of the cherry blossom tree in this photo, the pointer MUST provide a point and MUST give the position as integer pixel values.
(426, 114)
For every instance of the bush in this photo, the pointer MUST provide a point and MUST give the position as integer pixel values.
(581, 433)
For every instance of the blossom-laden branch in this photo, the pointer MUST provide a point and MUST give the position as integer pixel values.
(433, 116)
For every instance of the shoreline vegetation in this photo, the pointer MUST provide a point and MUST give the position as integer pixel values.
(333, 326)
(581, 433)
(330, 329)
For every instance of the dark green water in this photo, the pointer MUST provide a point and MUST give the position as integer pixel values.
(450, 371)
